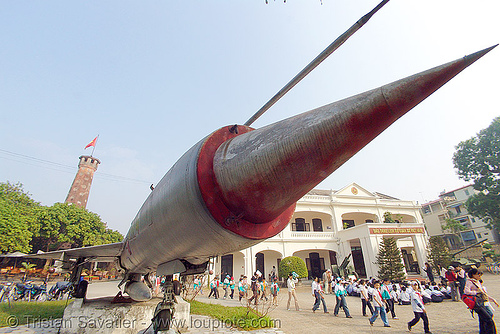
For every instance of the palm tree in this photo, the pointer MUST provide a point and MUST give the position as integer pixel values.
(27, 267)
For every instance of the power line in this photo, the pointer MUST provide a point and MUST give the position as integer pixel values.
(33, 161)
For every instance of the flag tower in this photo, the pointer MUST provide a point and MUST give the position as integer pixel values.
(80, 189)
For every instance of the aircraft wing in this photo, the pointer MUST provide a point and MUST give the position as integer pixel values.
(100, 253)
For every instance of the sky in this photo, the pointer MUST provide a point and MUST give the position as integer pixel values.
(152, 78)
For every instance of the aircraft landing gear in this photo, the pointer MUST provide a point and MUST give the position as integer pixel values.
(164, 312)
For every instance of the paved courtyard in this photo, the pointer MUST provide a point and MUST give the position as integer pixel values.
(446, 317)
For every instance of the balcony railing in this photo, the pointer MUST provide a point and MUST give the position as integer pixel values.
(304, 235)
(312, 235)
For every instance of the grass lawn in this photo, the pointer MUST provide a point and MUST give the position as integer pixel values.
(236, 316)
(20, 313)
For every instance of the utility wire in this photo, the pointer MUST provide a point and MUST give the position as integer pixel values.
(33, 161)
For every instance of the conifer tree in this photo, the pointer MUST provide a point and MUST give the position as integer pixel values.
(389, 260)
(438, 253)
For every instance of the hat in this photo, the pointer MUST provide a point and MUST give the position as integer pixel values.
(451, 267)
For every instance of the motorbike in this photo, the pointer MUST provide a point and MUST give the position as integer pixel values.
(58, 290)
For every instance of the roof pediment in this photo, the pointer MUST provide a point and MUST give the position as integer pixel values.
(354, 189)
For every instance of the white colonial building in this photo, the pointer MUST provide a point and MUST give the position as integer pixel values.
(327, 226)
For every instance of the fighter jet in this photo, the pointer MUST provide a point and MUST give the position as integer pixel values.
(239, 185)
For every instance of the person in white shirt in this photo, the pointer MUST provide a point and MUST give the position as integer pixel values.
(370, 290)
(442, 274)
(394, 293)
(404, 296)
(426, 296)
(317, 292)
(378, 302)
(365, 299)
(290, 283)
(417, 304)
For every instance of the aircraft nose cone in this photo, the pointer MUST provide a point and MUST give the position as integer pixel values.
(261, 173)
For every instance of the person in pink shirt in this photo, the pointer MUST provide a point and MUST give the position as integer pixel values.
(474, 287)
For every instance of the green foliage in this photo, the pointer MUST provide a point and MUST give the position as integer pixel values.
(390, 261)
(27, 226)
(438, 253)
(28, 266)
(17, 213)
(238, 316)
(292, 263)
(388, 217)
(477, 159)
(454, 227)
(25, 311)
(66, 223)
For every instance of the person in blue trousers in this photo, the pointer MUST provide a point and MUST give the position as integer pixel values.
(340, 293)
(317, 292)
(378, 302)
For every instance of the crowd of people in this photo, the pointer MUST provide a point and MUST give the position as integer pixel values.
(253, 290)
(379, 297)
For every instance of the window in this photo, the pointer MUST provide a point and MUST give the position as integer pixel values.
(426, 209)
(458, 209)
(369, 221)
(348, 223)
(468, 236)
(467, 193)
(479, 235)
(317, 225)
(435, 207)
(300, 225)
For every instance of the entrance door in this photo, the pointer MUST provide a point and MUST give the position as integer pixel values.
(226, 265)
(315, 263)
(359, 262)
(333, 258)
(259, 263)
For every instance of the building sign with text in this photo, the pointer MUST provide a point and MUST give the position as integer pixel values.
(396, 230)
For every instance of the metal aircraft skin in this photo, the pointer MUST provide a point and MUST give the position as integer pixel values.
(239, 185)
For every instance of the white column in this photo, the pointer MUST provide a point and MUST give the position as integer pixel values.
(420, 245)
(248, 262)
(369, 248)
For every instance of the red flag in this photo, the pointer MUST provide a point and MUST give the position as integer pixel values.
(92, 143)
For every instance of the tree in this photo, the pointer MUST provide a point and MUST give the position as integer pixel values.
(438, 253)
(454, 227)
(66, 223)
(478, 159)
(389, 219)
(390, 261)
(290, 264)
(27, 268)
(17, 214)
